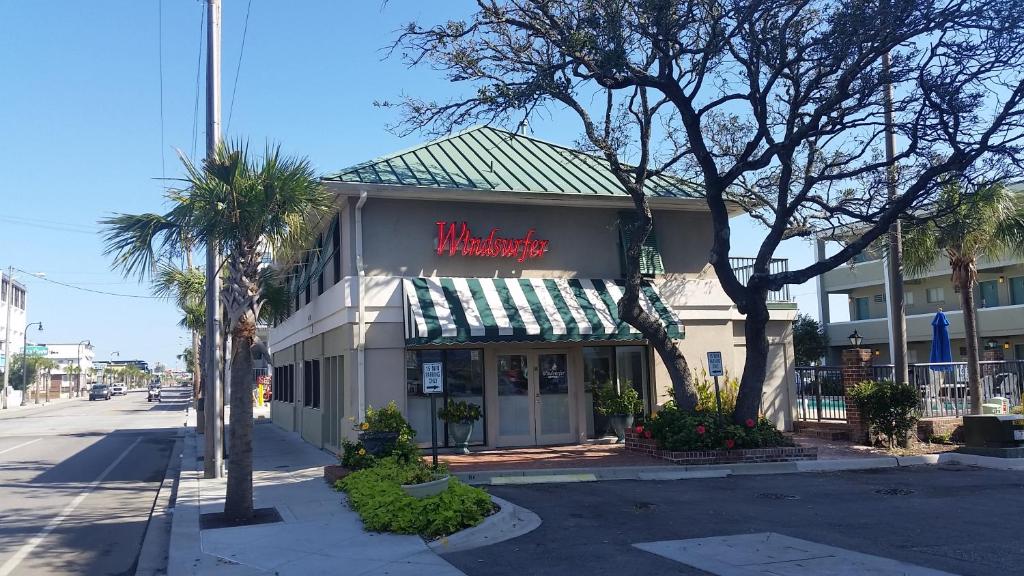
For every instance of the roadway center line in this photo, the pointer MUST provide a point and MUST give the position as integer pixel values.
(5, 450)
(8, 567)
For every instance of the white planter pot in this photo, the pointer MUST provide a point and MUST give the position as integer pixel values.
(426, 489)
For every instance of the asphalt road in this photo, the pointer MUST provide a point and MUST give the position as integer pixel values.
(78, 480)
(954, 518)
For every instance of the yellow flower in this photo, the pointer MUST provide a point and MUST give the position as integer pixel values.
(362, 451)
(364, 426)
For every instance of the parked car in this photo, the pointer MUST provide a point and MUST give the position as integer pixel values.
(118, 389)
(99, 392)
(154, 393)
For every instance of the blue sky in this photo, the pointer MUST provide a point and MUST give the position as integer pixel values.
(80, 115)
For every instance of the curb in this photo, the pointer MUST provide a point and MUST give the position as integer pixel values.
(155, 549)
(511, 521)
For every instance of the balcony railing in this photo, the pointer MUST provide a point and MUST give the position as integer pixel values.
(744, 269)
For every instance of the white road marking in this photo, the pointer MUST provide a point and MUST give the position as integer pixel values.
(12, 562)
(5, 450)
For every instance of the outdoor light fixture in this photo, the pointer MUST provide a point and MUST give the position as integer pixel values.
(856, 338)
(1006, 345)
(1002, 279)
(878, 352)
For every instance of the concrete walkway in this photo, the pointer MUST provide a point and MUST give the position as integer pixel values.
(319, 535)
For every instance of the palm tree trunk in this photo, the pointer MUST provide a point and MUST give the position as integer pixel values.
(238, 501)
(971, 335)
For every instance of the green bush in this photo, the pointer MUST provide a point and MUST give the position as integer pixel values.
(354, 456)
(387, 419)
(608, 401)
(679, 430)
(728, 390)
(459, 411)
(889, 409)
(375, 494)
(939, 439)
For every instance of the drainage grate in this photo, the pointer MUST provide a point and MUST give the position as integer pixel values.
(777, 496)
(894, 492)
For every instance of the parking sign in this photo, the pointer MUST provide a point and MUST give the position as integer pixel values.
(715, 364)
(433, 379)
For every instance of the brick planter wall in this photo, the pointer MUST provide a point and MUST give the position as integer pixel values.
(949, 426)
(637, 443)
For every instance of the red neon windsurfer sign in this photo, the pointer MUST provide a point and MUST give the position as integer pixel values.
(457, 238)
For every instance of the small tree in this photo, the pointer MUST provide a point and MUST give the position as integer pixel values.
(810, 342)
(889, 408)
(988, 222)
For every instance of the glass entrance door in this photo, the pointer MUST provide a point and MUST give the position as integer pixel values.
(534, 406)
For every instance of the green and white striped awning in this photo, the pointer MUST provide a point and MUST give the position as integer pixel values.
(461, 310)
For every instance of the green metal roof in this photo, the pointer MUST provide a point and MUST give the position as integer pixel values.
(488, 158)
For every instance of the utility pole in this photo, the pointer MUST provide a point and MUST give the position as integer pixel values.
(897, 311)
(213, 461)
(7, 333)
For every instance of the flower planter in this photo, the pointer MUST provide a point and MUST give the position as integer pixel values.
(378, 443)
(620, 422)
(460, 433)
(426, 489)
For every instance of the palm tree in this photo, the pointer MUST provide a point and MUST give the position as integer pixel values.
(187, 287)
(988, 222)
(249, 206)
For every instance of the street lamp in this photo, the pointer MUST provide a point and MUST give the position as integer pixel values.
(24, 363)
(856, 338)
(78, 377)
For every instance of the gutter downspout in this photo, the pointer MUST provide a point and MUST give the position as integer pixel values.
(361, 313)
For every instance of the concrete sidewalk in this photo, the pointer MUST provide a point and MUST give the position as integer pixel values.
(14, 404)
(319, 535)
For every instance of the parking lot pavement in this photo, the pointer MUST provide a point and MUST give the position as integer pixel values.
(958, 519)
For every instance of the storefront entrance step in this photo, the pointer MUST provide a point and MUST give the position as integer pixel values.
(543, 479)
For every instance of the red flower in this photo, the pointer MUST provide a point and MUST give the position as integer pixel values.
(730, 443)
(700, 429)
(647, 434)
(639, 430)
(750, 422)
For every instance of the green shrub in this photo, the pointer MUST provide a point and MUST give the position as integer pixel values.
(459, 411)
(704, 385)
(679, 430)
(1018, 409)
(375, 494)
(354, 456)
(939, 439)
(387, 419)
(889, 409)
(608, 401)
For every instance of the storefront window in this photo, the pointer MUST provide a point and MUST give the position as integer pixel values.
(463, 381)
(612, 366)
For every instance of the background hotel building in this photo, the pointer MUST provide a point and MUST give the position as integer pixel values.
(999, 297)
(518, 305)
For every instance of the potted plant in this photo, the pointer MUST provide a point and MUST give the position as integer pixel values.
(424, 481)
(382, 429)
(619, 406)
(460, 416)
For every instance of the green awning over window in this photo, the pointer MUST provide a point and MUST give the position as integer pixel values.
(461, 310)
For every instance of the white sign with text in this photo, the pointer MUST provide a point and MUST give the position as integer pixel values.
(715, 367)
(433, 379)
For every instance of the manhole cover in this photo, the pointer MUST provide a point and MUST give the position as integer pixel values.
(894, 492)
(777, 496)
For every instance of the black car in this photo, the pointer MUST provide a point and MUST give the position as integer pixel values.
(154, 393)
(99, 392)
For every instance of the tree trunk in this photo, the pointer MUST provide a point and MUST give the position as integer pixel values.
(971, 336)
(200, 396)
(238, 501)
(755, 364)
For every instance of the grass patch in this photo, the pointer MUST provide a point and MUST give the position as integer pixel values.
(375, 494)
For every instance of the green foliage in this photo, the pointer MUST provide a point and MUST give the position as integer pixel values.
(354, 456)
(387, 419)
(1018, 409)
(460, 411)
(890, 409)
(376, 494)
(810, 342)
(608, 401)
(679, 430)
(36, 364)
(728, 389)
(939, 439)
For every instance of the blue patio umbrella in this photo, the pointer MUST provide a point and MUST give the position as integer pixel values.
(940, 343)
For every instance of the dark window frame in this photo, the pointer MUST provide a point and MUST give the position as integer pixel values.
(444, 398)
(336, 243)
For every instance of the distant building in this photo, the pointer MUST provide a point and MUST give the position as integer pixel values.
(17, 294)
(68, 357)
(140, 364)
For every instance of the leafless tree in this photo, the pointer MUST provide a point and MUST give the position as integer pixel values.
(774, 105)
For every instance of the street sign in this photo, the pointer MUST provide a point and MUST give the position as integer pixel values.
(715, 367)
(34, 350)
(433, 380)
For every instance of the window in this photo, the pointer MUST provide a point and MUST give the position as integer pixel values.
(880, 298)
(612, 366)
(3, 290)
(650, 258)
(935, 295)
(320, 265)
(1018, 351)
(336, 244)
(908, 298)
(284, 383)
(463, 381)
(862, 308)
(988, 294)
(290, 391)
(311, 383)
(1017, 290)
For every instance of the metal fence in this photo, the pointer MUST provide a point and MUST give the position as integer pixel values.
(744, 268)
(943, 387)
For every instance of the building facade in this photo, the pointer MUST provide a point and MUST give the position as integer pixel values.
(14, 295)
(496, 259)
(999, 297)
(65, 376)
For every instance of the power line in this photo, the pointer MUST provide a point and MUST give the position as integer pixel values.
(103, 292)
(160, 58)
(48, 225)
(199, 68)
(238, 68)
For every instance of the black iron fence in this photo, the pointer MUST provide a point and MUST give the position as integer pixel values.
(943, 388)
